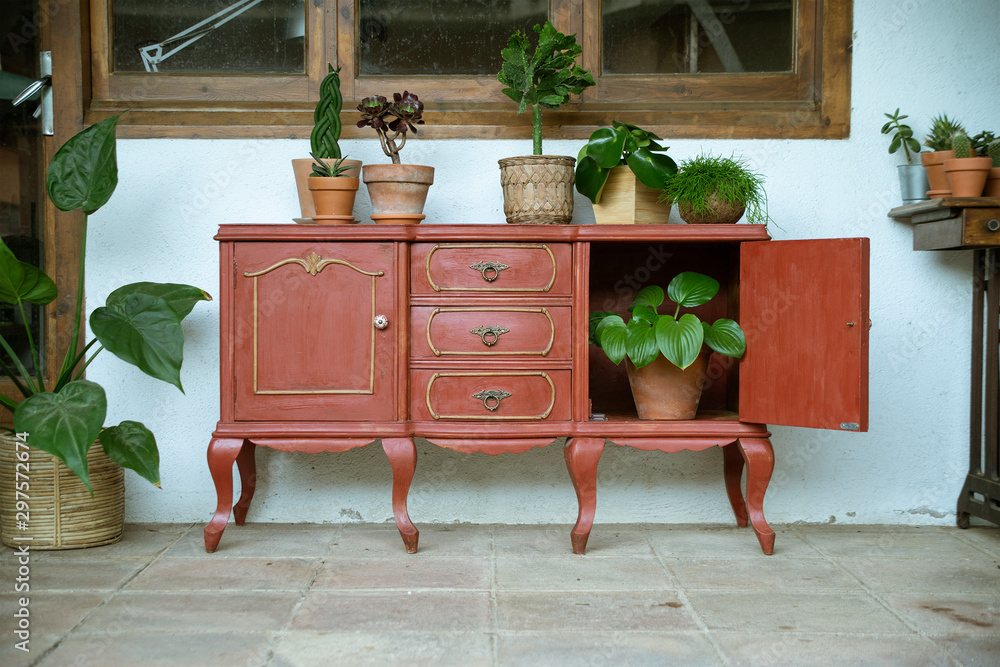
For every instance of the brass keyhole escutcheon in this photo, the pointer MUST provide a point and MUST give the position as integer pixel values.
(489, 335)
(491, 398)
(489, 269)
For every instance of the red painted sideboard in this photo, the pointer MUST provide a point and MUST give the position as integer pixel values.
(475, 338)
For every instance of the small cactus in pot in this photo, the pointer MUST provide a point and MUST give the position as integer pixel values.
(962, 145)
(993, 151)
(992, 188)
(967, 172)
(942, 131)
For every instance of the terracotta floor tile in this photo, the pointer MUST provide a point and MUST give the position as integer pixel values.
(401, 611)
(611, 611)
(242, 574)
(417, 571)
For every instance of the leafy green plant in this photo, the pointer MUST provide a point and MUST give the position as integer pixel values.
(323, 169)
(326, 117)
(622, 144)
(981, 142)
(140, 324)
(942, 130)
(728, 178)
(677, 337)
(542, 76)
(903, 137)
(962, 145)
(403, 113)
(993, 151)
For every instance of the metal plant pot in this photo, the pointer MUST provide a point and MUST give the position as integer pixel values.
(913, 183)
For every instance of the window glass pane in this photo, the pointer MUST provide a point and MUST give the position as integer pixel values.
(695, 36)
(225, 36)
(440, 36)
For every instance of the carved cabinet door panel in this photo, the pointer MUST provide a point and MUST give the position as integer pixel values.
(315, 332)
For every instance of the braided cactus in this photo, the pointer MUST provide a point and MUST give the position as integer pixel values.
(962, 145)
(326, 129)
(993, 150)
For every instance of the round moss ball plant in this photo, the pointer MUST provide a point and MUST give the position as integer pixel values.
(710, 189)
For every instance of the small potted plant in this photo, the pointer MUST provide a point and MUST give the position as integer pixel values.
(622, 170)
(397, 191)
(333, 190)
(537, 188)
(140, 324)
(710, 189)
(992, 188)
(966, 172)
(667, 354)
(913, 184)
(939, 141)
(323, 141)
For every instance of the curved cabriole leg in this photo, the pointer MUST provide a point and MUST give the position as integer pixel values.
(732, 470)
(222, 453)
(759, 458)
(402, 455)
(247, 466)
(582, 457)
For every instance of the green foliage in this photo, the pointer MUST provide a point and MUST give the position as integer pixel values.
(543, 75)
(622, 144)
(677, 337)
(326, 117)
(903, 137)
(727, 177)
(993, 150)
(942, 130)
(981, 142)
(962, 145)
(322, 169)
(140, 323)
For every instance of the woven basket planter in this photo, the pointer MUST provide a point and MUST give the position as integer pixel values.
(538, 189)
(61, 512)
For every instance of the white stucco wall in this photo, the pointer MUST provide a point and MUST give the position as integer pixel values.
(907, 469)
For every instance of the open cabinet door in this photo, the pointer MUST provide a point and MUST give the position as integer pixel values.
(804, 308)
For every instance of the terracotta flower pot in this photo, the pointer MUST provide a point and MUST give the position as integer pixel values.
(398, 191)
(538, 189)
(967, 176)
(934, 164)
(334, 199)
(992, 188)
(661, 390)
(719, 211)
(626, 201)
(302, 168)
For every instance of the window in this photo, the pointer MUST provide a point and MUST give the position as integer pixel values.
(692, 68)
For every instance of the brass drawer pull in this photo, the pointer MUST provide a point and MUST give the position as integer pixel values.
(495, 395)
(490, 270)
(489, 335)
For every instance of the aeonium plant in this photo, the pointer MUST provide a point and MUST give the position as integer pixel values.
(402, 114)
(140, 323)
(677, 337)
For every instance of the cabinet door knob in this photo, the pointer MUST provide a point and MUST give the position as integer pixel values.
(491, 398)
(380, 321)
(490, 270)
(489, 335)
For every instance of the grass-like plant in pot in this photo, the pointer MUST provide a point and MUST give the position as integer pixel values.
(538, 188)
(939, 140)
(622, 169)
(711, 189)
(913, 184)
(667, 354)
(140, 323)
(333, 186)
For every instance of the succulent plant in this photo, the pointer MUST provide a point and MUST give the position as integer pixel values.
(993, 150)
(326, 118)
(903, 137)
(324, 170)
(402, 114)
(981, 141)
(942, 130)
(962, 145)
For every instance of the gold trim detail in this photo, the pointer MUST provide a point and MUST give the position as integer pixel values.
(544, 415)
(492, 246)
(313, 264)
(492, 353)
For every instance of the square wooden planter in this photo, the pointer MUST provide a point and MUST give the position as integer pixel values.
(626, 201)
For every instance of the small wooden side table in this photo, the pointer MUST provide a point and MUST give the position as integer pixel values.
(972, 223)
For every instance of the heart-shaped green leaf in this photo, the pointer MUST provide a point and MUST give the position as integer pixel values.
(641, 343)
(605, 146)
(84, 172)
(131, 445)
(65, 424)
(144, 331)
(680, 340)
(646, 314)
(725, 337)
(181, 298)
(22, 282)
(652, 169)
(650, 296)
(590, 179)
(691, 289)
(612, 334)
(596, 317)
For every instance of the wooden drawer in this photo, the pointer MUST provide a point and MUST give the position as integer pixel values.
(491, 395)
(542, 268)
(483, 332)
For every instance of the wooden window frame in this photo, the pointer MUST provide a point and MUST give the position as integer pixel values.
(811, 102)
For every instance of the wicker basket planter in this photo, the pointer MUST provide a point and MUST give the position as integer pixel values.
(61, 512)
(538, 189)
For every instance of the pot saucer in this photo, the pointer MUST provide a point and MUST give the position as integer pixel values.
(334, 219)
(398, 218)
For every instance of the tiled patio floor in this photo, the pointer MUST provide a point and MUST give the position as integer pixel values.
(514, 595)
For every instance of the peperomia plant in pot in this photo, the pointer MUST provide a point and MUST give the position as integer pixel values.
(539, 188)
(667, 354)
(913, 184)
(398, 191)
(140, 323)
(622, 169)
